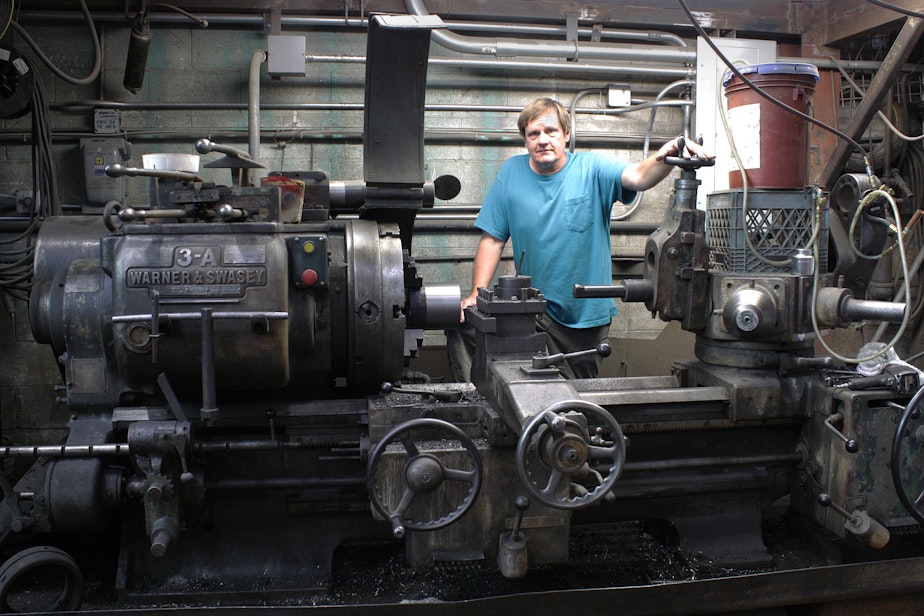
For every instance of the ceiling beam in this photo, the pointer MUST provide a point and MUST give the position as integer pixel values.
(850, 18)
(883, 80)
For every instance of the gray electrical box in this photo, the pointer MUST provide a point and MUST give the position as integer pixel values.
(285, 55)
(99, 188)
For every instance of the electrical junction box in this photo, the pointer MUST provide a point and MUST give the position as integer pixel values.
(99, 188)
(285, 55)
(618, 95)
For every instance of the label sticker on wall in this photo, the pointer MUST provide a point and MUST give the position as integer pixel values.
(744, 123)
(107, 121)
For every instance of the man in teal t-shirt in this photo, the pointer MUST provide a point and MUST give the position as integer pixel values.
(555, 207)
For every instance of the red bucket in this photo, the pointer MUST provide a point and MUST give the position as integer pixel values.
(771, 141)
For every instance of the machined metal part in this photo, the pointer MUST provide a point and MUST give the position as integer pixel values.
(837, 307)
(677, 259)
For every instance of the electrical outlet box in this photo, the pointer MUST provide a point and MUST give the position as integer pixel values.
(618, 95)
(285, 55)
(98, 152)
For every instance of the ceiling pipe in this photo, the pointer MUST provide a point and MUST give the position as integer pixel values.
(563, 67)
(569, 50)
(296, 22)
(253, 103)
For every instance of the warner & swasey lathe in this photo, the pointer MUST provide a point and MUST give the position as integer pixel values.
(223, 355)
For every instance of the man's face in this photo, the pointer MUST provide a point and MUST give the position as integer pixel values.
(546, 141)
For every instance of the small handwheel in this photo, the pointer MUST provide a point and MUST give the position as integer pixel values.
(556, 447)
(687, 164)
(424, 473)
(902, 430)
(40, 579)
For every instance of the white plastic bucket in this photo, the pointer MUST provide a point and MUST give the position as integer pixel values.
(171, 162)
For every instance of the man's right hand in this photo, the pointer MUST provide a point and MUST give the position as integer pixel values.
(471, 300)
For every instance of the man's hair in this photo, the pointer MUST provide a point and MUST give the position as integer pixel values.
(542, 106)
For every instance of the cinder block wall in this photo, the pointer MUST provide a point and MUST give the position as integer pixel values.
(196, 85)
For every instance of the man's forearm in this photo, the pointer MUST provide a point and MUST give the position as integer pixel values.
(487, 259)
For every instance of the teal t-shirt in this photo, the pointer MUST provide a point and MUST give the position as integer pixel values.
(562, 221)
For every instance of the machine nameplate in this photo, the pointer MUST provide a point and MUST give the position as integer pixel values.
(149, 277)
(203, 266)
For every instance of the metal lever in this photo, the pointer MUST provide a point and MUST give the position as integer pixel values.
(895, 377)
(522, 504)
(850, 444)
(865, 528)
(544, 361)
(443, 395)
(512, 558)
(207, 146)
(116, 170)
(181, 434)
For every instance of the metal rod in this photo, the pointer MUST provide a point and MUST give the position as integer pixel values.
(209, 400)
(282, 483)
(65, 451)
(717, 461)
(189, 316)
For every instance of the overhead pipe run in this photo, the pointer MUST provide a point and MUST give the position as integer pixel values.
(253, 103)
(568, 50)
(293, 22)
(569, 67)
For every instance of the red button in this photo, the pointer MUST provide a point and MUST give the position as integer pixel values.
(309, 277)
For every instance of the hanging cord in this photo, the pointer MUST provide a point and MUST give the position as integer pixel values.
(866, 200)
(640, 195)
(44, 176)
(97, 51)
(6, 16)
(879, 112)
(907, 289)
(16, 263)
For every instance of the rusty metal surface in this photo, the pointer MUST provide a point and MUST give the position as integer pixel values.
(846, 18)
(899, 52)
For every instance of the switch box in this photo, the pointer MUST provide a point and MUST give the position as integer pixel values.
(618, 95)
(99, 188)
(308, 265)
(285, 55)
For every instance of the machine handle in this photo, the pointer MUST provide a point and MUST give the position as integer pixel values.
(522, 504)
(115, 170)
(850, 445)
(207, 146)
(544, 361)
(694, 162)
(860, 524)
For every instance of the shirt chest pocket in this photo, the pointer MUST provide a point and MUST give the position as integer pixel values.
(578, 213)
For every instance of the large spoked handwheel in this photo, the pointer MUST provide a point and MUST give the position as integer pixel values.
(556, 450)
(425, 473)
(900, 462)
